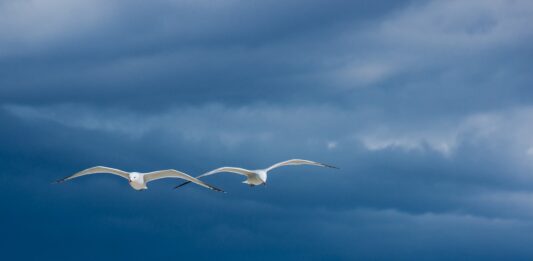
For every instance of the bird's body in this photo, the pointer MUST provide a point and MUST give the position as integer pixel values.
(259, 176)
(138, 180)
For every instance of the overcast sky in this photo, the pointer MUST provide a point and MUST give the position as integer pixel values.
(425, 106)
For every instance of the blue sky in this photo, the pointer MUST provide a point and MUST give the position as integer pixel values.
(426, 107)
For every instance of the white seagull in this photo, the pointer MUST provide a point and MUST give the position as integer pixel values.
(138, 180)
(259, 176)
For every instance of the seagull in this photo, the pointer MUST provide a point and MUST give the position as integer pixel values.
(259, 176)
(139, 180)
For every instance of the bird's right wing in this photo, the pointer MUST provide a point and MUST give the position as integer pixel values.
(239, 171)
(97, 170)
(299, 162)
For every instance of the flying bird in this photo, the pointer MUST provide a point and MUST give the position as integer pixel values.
(259, 176)
(139, 180)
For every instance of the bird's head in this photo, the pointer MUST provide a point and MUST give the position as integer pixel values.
(134, 176)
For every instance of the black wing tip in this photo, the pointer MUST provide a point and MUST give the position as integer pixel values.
(182, 184)
(329, 166)
(59, 181)
(215, 188)
(218, 190)
(210, 187)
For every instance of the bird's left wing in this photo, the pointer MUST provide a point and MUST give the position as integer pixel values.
(171, 173)
(299, 162)
(97, 170)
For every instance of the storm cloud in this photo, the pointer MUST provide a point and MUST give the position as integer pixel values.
(426, 107)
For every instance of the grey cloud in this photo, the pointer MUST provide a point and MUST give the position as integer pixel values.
(418, 175)
(424, 106)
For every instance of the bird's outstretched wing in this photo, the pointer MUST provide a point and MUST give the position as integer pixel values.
(97, 170)
(239, 171)
(299, 162)
(171, 173)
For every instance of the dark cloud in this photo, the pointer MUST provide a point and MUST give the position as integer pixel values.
(424, 106)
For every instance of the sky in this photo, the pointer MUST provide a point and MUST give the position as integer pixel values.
(425, 106)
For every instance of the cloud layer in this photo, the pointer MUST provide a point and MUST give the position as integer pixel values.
(424, 105)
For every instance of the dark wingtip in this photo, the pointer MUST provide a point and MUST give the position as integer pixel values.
(329, 166)
(182, 184)
(210, 186)
(59, 181)
(218, 190)
(215, 188)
